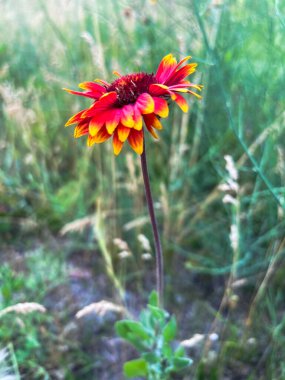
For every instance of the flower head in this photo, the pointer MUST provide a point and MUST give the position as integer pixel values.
(121, 108)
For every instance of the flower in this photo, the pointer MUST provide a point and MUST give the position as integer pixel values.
(23, 308)
(120, 109)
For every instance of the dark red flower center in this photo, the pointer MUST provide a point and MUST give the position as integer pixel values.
(130, 87)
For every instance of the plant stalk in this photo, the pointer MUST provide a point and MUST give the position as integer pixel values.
(158, 249)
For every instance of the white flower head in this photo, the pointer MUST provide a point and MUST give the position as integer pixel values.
(231, 168)
(144, 242)
(100, 308)
(124, 254)
(234, 237)
(24, 308)
(146, 256)
(121, 244)
(229, 199)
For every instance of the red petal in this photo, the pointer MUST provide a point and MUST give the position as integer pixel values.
(123, 133)
(135, 140)
(180, 101)
(158, 89)
(93, 88)
(184, 60)
(102, 104)
(75, 118)
(117, 144)
(137, 118)
(179, 88)
(102, 81)
(145, 103)
(152, 121)
(81, 129)
(182, 73)
(87, 94)
(112, 119)
(96, 123)
(152, 131)
(166, 67)
(184, 88)
(127, 113)
(101, 136)
(160, 107)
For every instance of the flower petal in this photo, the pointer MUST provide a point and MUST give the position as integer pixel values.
(160, 107)
(102, 104)
(123, 132)
(112, 120)
(183, 60)
(145, 103)
(81, 129)
(117, 144)
(102, 81)
(152, 121)
(182, 73)
(137, 119)
(195, 94)
(93, 88)
(75, 118)
(95, 125)
(152, 131)
(87, 94)
(117, 74)
(127, 113)
(178, 89)
(165, 69)
(135, 140)
(158, 89)
(180, 101)
(101, 136)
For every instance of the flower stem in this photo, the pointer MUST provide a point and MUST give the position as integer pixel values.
(158, 249)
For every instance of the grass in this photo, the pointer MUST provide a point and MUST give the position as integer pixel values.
(48, 179)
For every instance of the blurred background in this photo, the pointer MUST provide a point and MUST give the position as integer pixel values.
(74, 228)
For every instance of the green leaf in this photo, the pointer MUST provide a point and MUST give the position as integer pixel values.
(153, 298)
(167, 351)
(125, 327)
(136, 367)
(145, 318)
(169, 330)
(151, 358)
(181, 363)
(135, 334)
(159, 314)
(179, 352)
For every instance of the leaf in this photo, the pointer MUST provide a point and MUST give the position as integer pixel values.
(134, 333)
(145, 318)
(157, 313)
(136, 367)
(151, 358)
(181, 363)
(153, 299)
(125, 327)
(179, 352)
(167, 351)
(169, 330)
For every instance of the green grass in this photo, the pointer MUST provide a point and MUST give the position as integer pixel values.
(48, 179)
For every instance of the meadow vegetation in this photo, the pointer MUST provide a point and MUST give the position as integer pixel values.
(74, 228)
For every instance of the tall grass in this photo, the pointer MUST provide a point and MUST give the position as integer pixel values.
(48, 179)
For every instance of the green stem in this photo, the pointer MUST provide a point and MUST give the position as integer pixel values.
(158, 249)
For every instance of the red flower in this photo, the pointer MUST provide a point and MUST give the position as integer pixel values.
(120, 109)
